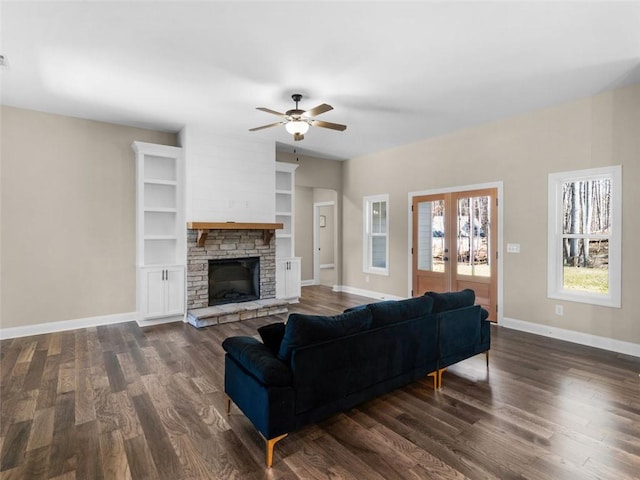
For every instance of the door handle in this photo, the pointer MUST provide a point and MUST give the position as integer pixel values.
(446, 259)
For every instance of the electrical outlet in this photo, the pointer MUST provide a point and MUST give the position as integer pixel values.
(366, 278)
(559, 310)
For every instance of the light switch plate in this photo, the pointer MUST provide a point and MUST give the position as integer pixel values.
(513, 248)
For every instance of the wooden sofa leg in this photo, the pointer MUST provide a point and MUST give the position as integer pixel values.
(434, 374)
(270, 444)
(440, 372)
(487, 355)
(437, 378)
(228, 406)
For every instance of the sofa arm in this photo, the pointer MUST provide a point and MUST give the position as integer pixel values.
(258, 360)
(459, 330)
(485, 333)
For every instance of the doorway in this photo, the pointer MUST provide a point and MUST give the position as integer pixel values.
(454, 244)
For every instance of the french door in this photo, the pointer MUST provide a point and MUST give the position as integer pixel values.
(454, 244)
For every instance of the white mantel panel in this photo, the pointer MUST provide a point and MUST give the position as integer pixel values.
(228, 179)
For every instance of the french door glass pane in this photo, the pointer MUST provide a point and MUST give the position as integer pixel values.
(473, 255)
(431, 236)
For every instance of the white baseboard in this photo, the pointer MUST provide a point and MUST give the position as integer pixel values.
(307, 283)
(366, 293)
(159, 321)
(61, 326)
(327, 266)
(596, 341)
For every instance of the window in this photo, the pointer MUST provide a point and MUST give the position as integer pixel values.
(584, 244)
(376, 239)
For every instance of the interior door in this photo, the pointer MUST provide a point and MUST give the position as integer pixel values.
(454, 244)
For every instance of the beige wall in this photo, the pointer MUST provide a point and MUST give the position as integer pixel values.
(304, 231)
(67, 218)
(521, 152)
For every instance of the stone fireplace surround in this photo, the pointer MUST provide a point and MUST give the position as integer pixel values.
(227, 244)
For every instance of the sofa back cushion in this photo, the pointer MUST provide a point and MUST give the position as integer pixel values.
(443, 302)
(392, 311)
(272, 335)
(302, 330)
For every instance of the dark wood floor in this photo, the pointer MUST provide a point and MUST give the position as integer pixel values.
(124, 402)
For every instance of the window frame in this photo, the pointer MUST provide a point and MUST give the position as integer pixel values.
(555, 266)
(367, 244)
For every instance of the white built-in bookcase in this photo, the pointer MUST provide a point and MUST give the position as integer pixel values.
(287, 265)
(285, 189)
(160, 230)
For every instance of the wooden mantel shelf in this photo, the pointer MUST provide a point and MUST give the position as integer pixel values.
(204, 227)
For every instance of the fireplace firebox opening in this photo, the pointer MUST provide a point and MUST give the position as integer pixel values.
(234, 280)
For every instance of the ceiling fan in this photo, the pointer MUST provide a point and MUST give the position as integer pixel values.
(297, 121)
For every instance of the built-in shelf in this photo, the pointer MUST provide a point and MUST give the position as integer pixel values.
(160, 182)
(203, 229)
(160, 209)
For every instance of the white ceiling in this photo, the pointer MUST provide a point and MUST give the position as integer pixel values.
(394, 72)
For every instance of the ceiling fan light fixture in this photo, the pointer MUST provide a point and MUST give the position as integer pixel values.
(297, 127)
(297, 121)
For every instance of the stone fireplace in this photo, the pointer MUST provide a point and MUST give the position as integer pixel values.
(233, 245)
(227, 245)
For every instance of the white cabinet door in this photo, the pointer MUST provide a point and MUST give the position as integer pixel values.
(154, 287)
(288, 278)
(293, 278)
(162, 291)
(281, 280)
(174, 290)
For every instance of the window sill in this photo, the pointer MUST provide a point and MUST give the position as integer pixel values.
(377, 271)
(597, 300)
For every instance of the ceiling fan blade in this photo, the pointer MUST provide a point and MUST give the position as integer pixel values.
(265, 126)
(268, 110)
(318, 110)
(332, 126)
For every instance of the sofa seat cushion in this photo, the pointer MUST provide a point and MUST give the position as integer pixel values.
(258, 360)
(392, 311)
(302, 330)
(443, 302)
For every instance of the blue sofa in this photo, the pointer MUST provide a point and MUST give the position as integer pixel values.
(317, 366)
